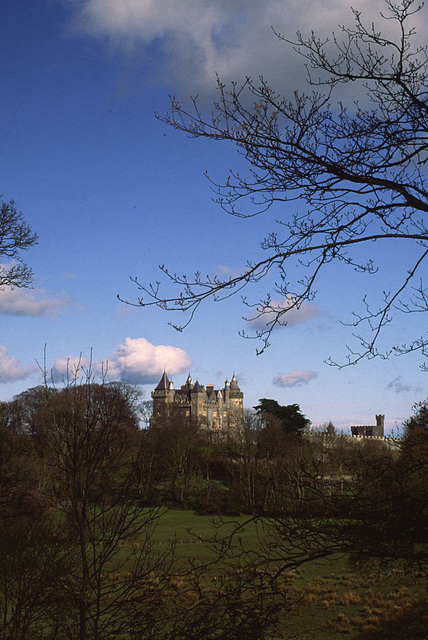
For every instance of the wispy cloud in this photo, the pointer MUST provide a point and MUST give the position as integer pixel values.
(261, 317)
(398, 386)
(225, 270)
(125, 310)
(10, 370)
(29, 302)
(295, 378)
(136, 361)
(234, 39)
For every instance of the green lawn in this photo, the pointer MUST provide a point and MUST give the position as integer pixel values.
(331, 600)
(328, 599)
(189, 530)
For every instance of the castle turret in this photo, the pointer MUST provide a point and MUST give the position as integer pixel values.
(234, 383)
(197, 397)
(163, 383)
(226, 392)
(234, 401)
(380, 426)
(163, 396)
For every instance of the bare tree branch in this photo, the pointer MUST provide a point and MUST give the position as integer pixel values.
(354, 174)
(15, 237)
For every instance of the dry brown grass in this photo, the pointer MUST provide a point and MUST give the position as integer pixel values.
(352, 605)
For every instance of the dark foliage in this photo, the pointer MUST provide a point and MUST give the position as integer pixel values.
(77, 553)
(288, 417)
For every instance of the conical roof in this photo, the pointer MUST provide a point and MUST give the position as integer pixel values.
(234, 383)
(163, 383)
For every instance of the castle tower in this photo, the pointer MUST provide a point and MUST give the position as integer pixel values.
(379, 429)
(197, 397)
(236, 397)
(163, 396)
(370, 430)
(234, 400)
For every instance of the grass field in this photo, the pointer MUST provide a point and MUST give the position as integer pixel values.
(330, 600)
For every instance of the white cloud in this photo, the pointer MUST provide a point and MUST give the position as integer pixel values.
(261, 317)
(188, 41)
(295, 378)
(27, 302)
(136, 361)
(10, 369)
(68, 369)
(140, 362)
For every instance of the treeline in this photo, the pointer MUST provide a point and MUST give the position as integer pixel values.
(91, 433)
(82, 488)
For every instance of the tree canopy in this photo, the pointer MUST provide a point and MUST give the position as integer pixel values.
(351, 153)
(289, 417)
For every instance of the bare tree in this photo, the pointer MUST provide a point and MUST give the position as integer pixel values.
(356, 172)
(89, 444)
(15, 237)
(35, 559)
(80, 558)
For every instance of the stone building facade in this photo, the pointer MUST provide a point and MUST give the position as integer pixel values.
(219, 410)
(376, 430)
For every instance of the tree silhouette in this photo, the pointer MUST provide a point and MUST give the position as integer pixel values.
(288, 417)
(15, 237)
(352, 164)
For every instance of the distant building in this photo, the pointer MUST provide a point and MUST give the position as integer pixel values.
(370, 430)
(220, 410)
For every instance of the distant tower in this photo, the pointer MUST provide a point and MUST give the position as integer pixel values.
(162, 396)
(379, 429)
(370, 430)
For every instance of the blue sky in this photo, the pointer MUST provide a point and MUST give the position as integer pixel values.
(113, 192)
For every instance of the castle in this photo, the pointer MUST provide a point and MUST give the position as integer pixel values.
(219, 410)
(370, 430)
